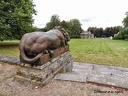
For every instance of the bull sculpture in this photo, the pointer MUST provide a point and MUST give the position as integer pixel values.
(33, 45)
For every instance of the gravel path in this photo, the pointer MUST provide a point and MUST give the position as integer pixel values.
(10, 86)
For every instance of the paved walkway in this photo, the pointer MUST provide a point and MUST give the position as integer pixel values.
(107, 75)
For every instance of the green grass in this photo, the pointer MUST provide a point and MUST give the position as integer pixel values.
(100, 51)
(97, 51)
(9, 48)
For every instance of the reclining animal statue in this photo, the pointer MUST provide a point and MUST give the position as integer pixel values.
(33, 45)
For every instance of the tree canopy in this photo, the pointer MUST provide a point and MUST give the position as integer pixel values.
(15, 18)
(54, 21)
(73, 27)
(123, 34)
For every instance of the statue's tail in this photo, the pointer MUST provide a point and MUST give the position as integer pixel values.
(23, 57)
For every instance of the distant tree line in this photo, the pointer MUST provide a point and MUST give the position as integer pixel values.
(107, 32)
(117, 32)
(73, 27)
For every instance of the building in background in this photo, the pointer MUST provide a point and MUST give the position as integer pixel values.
(86, 34)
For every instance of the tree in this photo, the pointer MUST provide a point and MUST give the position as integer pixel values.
(54, 21)
(65, 24)
(16, 17)
(110, 31)
(92, 29)
(125, 23)
(75, 28)
(120, 34)
(98, 32)
(4, 27)
(123, 34)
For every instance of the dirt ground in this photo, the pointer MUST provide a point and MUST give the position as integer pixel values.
(10, 86)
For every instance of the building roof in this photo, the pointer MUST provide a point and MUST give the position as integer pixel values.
(86, 32)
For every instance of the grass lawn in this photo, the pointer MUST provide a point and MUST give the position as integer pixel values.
(9, 48)
(100, 51)
(97, 51)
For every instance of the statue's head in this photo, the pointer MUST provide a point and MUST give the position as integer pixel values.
(66, 35)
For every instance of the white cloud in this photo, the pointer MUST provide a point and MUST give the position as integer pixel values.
(99, 13)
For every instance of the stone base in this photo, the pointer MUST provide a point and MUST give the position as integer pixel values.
(44, 73)
(46, 57)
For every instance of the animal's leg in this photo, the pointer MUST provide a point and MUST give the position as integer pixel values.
(51, 53)
(63, 44)
(45, 51)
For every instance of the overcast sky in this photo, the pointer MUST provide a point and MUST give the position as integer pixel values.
(91, 13)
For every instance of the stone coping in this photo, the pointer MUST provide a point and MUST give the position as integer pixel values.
(101, 74)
